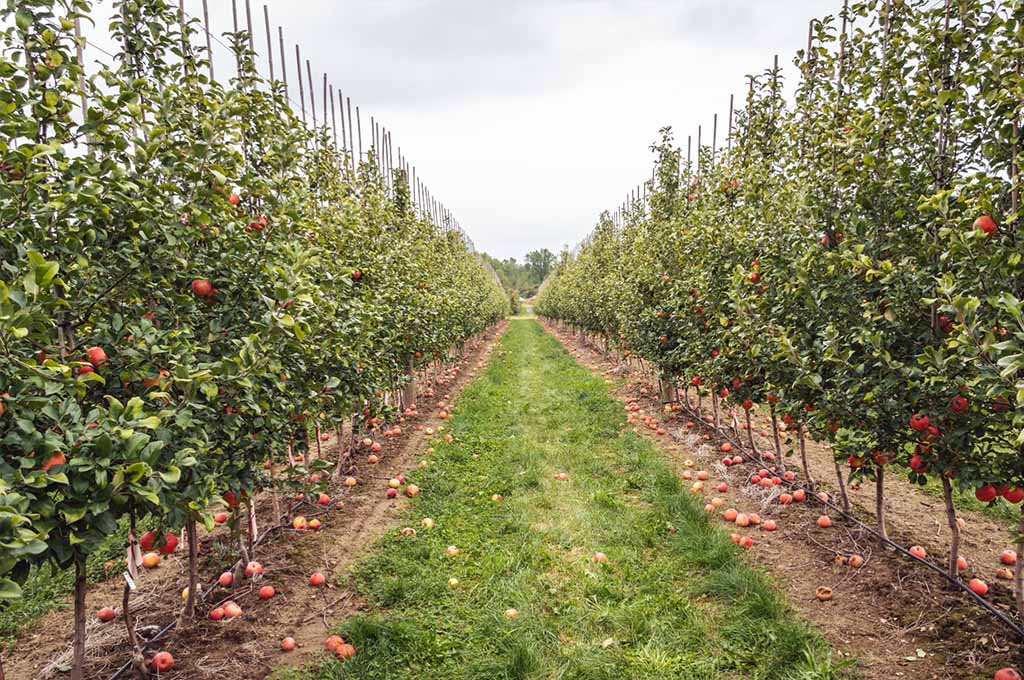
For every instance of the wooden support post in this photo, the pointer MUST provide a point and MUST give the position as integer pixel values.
(209, 43)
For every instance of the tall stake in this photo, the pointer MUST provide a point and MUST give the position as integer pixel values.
(334, 119)
(351, 136)
(209, 43)
(302, 91)
(248, 24)
(284, 63)
(270, 44)
(312, 102)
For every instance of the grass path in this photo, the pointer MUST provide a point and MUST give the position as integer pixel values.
(674, 599)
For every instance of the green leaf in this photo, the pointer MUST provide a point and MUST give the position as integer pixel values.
(171, 475)
(9, 590)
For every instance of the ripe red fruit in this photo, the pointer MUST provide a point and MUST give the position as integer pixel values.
(1007, 674)
(958, 404)
(267, 592)
(977, 586)
(986, 493)
(163, 662)
(234, 199)
(226, 579)
(202, 288)
(288, 644)
(106, 615)
(54, 460)
(317, 579)
(217, 614)
(824, 522)
(1015, 495)
(754, 277)
(918, 552)
(324, 499)
(147, 541)
(170, 544)
(96, 355)
(356, 275)
(747, 404)
(919, 422)
(986, 224)
(220, 517)
(1008, 557)
(918, 464)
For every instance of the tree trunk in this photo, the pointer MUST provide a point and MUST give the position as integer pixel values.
(319, 452)
(138, 658)
(1018, 569)
(409, 392)
(668, 389)
(78, 662)
(880, 500)
(845, 497)
(750, 434)
(714, 407)
(188, 613)
(803, 459)
(775, 434)
(954, 528)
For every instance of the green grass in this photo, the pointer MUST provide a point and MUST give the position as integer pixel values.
(665, 605)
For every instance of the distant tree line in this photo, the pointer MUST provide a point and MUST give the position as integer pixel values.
(523, 278)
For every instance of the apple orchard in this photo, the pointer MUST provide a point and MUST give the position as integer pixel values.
(197, 288)
(192, 282)
(850, 262)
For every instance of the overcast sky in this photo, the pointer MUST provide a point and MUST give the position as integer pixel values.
(529, 117)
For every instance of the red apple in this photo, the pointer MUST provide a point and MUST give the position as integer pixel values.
(986, 224)
(202, 288)
(986, 493)
(163, 662)
(977, 586)
(96, 355)
(106, 615)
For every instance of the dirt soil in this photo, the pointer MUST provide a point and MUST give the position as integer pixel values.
(248, 647)
(896, 618)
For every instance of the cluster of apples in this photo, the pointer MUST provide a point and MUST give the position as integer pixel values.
(395, 483)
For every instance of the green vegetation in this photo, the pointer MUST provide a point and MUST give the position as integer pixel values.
(523, 279)
(48, 588)
(666, 604)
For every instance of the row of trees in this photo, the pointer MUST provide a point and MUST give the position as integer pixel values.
(853, 259)
(189, 280)
(523, 278)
